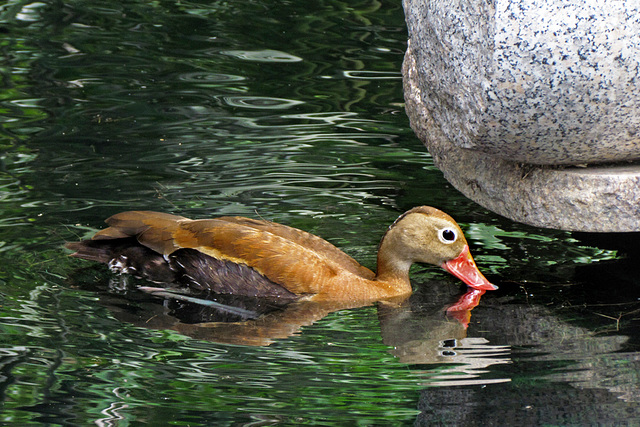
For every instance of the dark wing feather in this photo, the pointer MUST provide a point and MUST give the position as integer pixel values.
(200, 271)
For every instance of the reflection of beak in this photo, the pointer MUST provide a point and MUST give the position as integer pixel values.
(465, 269)
(461, 310)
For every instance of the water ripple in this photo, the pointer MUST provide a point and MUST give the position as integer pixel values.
(372, 75)
(209, 77)
(260, 102)
(266, 55)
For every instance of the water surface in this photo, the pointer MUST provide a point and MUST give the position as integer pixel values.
(292, 112)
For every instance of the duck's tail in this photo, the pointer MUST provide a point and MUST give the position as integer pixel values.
(125, 256)
(92, 250)
(135, 242)
(154, 230)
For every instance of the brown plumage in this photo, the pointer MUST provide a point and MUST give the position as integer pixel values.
(261, 258)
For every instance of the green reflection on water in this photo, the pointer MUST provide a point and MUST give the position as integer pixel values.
(178, 107)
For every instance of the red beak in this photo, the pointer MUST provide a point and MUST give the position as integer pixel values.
(465, 269)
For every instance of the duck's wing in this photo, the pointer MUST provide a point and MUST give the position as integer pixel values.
(299, 261)
(291, 258)
(306, 240)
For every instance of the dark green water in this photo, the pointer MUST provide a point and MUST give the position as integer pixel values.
(290, 111)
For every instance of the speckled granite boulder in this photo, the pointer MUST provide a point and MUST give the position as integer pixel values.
(507, 96)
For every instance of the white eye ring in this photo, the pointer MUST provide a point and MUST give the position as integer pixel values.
(447, 235)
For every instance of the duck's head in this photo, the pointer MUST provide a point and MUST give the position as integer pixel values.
(428, 235)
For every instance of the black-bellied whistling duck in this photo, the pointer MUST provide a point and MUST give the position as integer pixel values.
(260, 258)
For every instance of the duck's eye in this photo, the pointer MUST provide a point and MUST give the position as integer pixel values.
(447, 235)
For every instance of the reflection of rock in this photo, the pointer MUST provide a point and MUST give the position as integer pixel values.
(494, 92)
(575, 355)
(524, 405)
(561, 374)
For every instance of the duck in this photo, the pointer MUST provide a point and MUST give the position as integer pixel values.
(260, 258)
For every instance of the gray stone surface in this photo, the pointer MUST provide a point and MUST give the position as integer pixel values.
(591, 199)
(512, 99)
(541, 82)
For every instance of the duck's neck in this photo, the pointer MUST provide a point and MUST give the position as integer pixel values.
(393, 270)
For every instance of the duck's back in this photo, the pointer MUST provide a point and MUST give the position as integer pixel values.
(276, 237)
(296, 260)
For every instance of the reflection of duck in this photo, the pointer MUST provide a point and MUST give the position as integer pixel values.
(417, 332)
(235, 255)
(257, 321)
